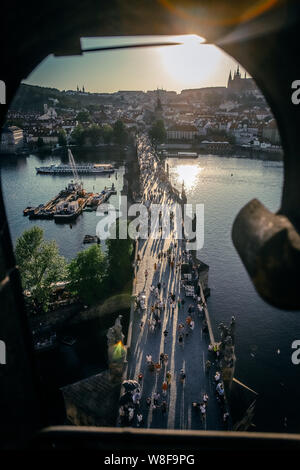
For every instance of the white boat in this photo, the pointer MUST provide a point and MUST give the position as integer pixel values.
(87, 168)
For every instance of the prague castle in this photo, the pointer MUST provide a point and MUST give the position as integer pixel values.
(237, 84)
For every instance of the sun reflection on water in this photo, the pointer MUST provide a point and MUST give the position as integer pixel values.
(188, 174)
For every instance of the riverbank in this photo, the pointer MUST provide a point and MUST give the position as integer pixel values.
(170, 150)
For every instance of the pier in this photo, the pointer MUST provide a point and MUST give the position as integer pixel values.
(169, 293)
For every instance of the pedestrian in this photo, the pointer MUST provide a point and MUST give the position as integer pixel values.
(139, 418)
(205, 398)
(159, 286)
(204, 327)
(146, 274)
(130, 414)
(192, 325)
(155, 266)
(156, 398)
(140, 377)
(203, 411)
(207, 366)
(182, 376)
(217, 376)
(149, 359)
(157, 366)
(180, 339)
(226, 417)
(165, 334)
(136, 397)
(166, 359)
(168, 377)
(164, 407)
(164, 387)
(148, 401)
(220, 389)
(161, 358)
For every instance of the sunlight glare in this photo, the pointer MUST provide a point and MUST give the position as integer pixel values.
(191, 63)
(187, 174)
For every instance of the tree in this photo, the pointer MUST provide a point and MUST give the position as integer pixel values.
(62, 138)
(157, 133)
(78, 135)
(94, 134)
(87, 273)
(107, 133)
(120, 133)
(119, 257)
(83, 116)
(41, 266)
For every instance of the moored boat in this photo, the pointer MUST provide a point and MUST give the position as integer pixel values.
(87, 169)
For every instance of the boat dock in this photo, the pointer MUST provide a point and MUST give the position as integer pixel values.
(165, 269)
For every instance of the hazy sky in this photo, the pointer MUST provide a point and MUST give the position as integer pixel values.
(190, 65)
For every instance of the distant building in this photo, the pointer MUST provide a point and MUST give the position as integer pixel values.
(270, 133)
(237, 84)
(12, 139)
(49, 113)
(179, 132)
(199, 94)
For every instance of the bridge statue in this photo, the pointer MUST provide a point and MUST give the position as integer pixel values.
(115, 334)
(116, 351)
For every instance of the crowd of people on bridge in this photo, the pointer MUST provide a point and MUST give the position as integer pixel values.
(156, 300)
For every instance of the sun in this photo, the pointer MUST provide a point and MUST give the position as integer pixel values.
(192, 63)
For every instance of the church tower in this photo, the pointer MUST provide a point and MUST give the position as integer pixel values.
(229, 80)
(158, 111)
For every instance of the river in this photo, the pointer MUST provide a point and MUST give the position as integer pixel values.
(263, 334)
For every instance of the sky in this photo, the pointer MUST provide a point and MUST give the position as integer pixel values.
(190, 65)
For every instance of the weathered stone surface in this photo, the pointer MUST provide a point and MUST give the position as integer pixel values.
(92, 401)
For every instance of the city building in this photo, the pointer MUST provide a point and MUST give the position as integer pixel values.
(11, 139)
(238, 84)
(186, 132)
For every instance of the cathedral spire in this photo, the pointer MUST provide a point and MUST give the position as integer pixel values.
(229, 80)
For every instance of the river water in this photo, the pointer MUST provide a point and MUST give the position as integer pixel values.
(223, 184)
(263, 334)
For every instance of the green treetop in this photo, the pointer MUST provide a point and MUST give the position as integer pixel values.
(40, 266)
(87, 273)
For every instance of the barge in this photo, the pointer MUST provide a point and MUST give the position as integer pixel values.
(69, 203)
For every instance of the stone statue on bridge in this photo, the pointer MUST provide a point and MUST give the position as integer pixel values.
(115, 334)
(116, 350)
